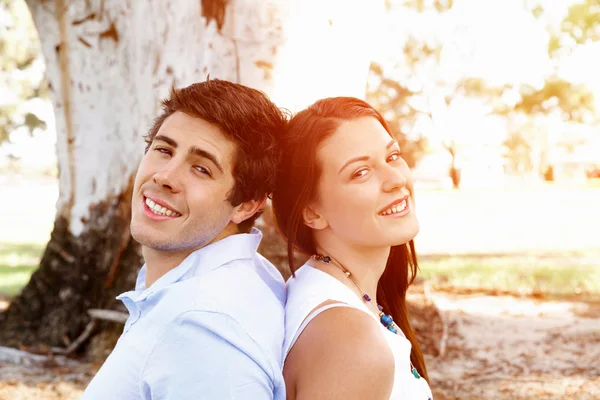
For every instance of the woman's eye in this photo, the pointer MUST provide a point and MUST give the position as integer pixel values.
(394, 157)
(360, 173)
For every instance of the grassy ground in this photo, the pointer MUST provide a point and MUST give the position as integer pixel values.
(17, 263)
(558, 274)
(525, 240)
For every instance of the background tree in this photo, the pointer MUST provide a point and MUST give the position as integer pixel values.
(21, 75)
(544, 115)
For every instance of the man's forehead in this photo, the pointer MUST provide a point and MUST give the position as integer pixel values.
(191, 132)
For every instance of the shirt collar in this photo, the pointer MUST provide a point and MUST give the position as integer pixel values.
(235, 247)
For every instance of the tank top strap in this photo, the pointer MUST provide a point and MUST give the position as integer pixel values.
(306, 292)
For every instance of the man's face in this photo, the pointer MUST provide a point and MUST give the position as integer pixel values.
(180, 193)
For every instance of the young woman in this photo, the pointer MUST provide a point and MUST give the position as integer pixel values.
(344, 196)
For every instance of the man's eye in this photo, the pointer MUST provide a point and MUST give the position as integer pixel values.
(162, 150)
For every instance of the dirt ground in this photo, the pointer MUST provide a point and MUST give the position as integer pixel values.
(503, 347)
(487, 347)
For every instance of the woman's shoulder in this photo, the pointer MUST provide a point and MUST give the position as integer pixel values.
(342, 348)
(311, 282)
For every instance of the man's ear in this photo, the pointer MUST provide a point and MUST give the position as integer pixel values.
(247, 209)
(313, 219)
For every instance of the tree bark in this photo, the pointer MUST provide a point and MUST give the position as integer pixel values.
(108, 63)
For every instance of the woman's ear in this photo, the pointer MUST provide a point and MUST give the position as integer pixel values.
(313, 219)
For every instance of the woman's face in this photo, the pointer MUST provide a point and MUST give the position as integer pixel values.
(365, 190)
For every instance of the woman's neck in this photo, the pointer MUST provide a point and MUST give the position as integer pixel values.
(366, 265)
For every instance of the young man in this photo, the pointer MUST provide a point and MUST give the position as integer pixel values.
(207, 315)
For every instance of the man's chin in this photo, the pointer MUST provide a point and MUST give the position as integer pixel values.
(143, 237)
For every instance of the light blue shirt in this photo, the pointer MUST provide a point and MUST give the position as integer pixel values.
(211, 328)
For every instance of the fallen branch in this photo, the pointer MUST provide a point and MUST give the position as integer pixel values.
(96, 314)
(20, 357)
(108, 315)
(87, 332)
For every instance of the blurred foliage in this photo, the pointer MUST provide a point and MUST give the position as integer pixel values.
(527, 108)
(21, 69)
(574, 100)
(402, 104)
(389, 96)
(424, 5)
(529, 145)
(580, 26)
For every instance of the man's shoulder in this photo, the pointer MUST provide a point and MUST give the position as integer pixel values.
(241, 286)
(236, 303)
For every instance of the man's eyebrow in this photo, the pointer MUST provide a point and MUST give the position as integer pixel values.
(167, 140)
(205, 154)
(193, 151)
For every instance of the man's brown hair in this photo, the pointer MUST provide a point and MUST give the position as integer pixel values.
(247, 117)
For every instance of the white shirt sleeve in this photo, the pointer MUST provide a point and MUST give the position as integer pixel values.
(206, 355)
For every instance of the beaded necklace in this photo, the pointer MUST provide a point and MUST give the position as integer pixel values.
(386, 320)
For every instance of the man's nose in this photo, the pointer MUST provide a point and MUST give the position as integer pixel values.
(169, 177)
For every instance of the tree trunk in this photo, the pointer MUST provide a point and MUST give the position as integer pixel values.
(108, 63)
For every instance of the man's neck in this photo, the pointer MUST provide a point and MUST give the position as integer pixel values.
(159, 262)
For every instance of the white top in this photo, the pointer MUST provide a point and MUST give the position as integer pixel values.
(211, 328)
(312, 287)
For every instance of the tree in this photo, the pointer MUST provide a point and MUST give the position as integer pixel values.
(415, 84)
(581, 25)
(549, 107)
(20, 80)
(390, 97)
(107, 66)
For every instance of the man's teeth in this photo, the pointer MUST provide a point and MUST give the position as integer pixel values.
(160, 210)
(395, 209)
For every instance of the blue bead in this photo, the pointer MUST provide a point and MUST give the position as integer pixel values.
(392, 329)
(386, 320)
(415, 373)
(326, 259)
(366, 297)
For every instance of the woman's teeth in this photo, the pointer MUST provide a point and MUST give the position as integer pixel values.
(160, 210)
(395, 209)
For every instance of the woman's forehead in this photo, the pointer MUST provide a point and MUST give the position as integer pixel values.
(354, 138)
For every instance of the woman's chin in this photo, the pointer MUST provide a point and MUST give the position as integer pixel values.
(405, 236)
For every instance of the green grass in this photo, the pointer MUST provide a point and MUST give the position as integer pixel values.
(549, 274)
(17, 263)
(514, 274)
(13, 279)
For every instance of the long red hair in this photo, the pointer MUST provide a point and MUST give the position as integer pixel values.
(296, 186)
